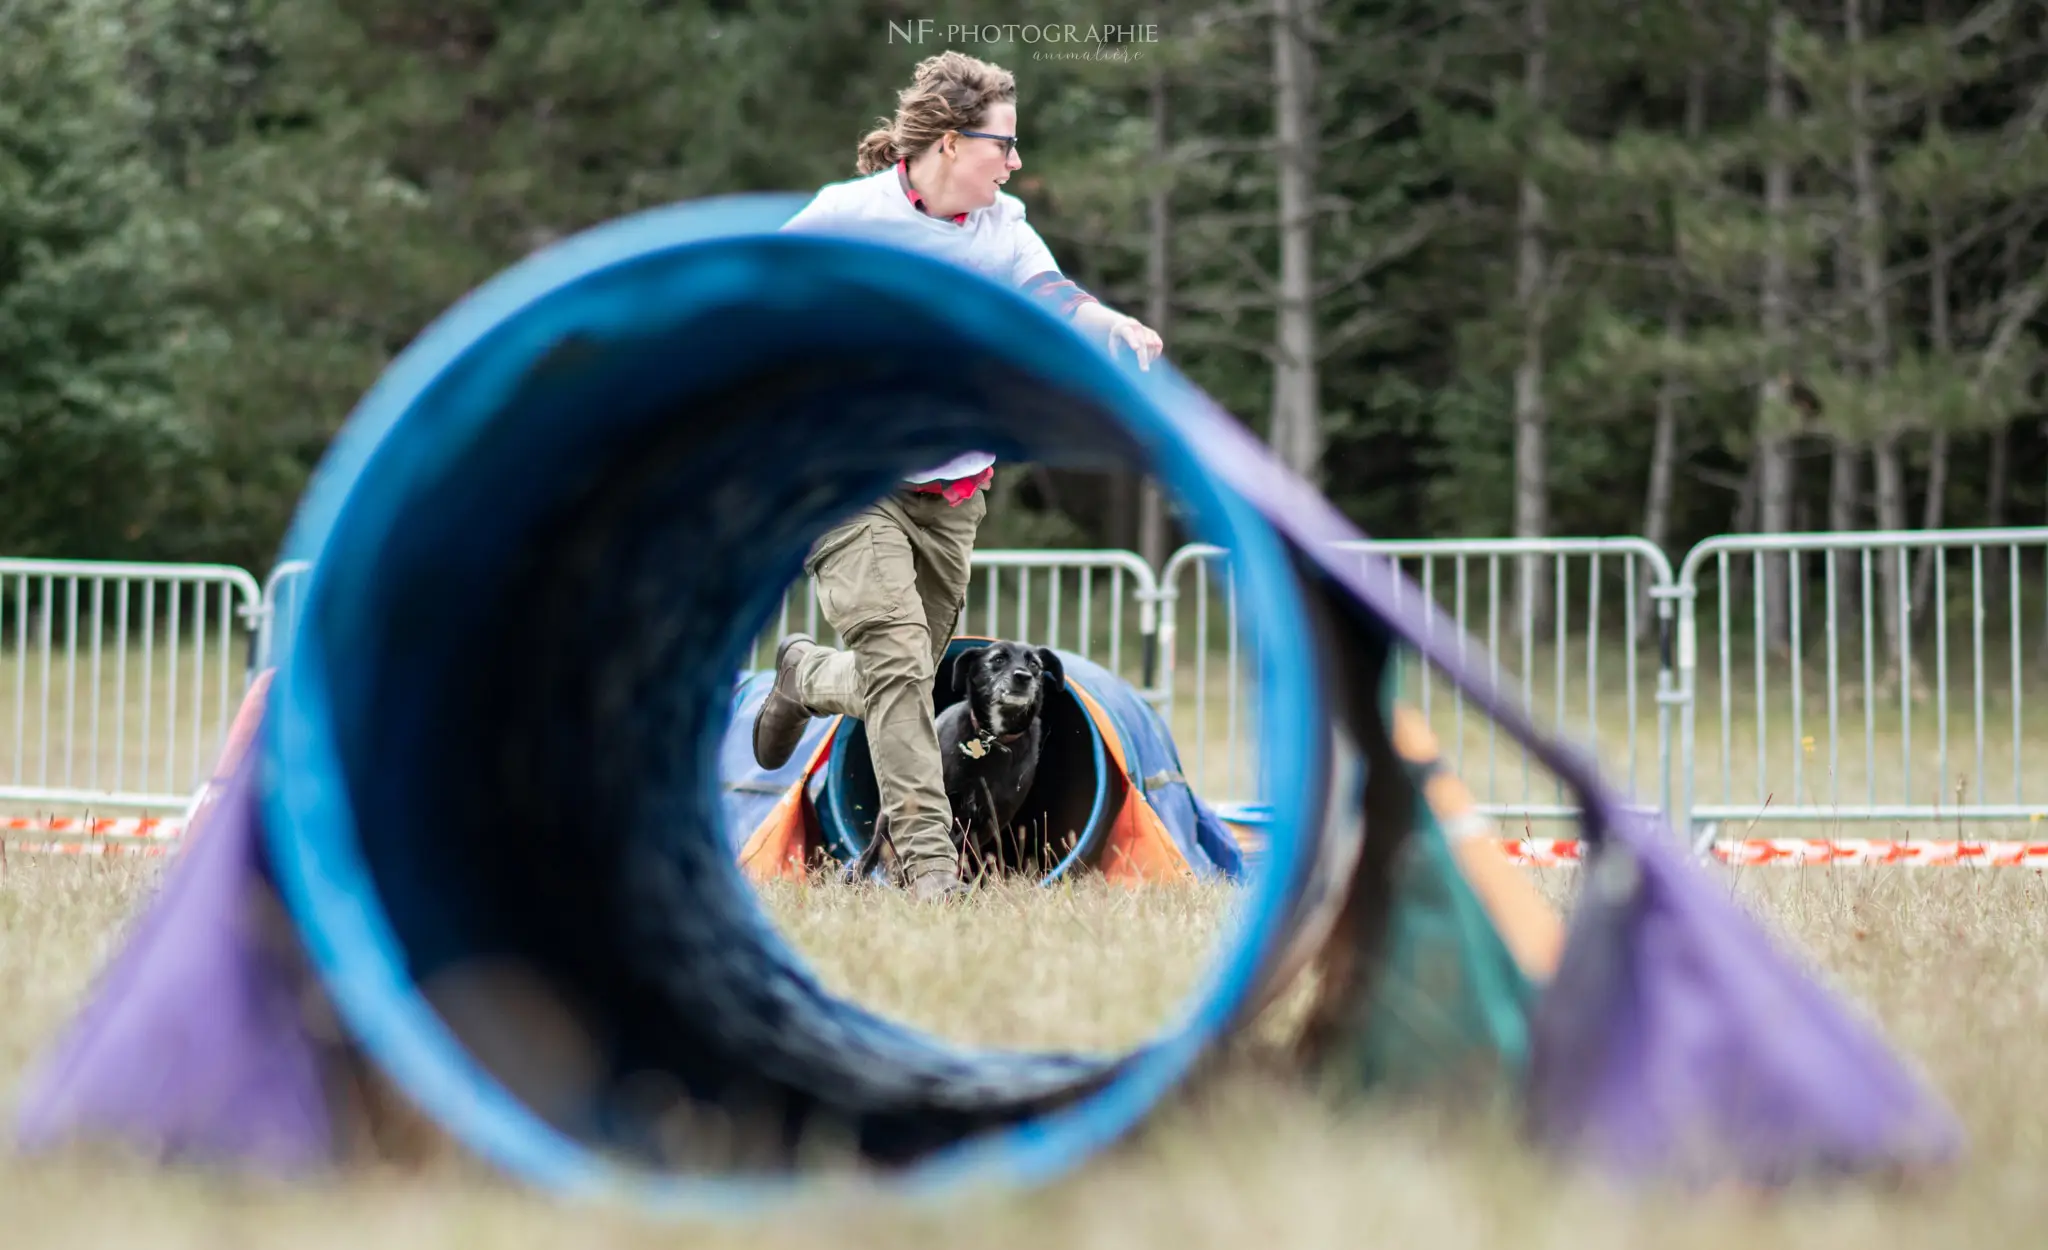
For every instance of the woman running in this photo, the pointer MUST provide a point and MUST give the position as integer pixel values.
(893, 578)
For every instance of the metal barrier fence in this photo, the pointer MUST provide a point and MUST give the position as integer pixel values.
(282, 592)
(1828, 697)
(118, 681)
(1231, 767)
(1614, 698)
(1101, 605)
(1838, 611)
(1826, 694)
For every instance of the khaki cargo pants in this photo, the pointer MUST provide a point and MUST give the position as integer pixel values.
(892, 581)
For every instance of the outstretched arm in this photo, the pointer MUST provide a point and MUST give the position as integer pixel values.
(1121, 328)
(1039, 276)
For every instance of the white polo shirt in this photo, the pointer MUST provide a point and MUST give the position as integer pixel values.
(996, 242)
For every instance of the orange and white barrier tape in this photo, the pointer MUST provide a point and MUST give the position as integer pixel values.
(110, 836)
(152, 827)
(1800, 852)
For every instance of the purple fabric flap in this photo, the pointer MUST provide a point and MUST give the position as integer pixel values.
(192, 1046)
(1674, 1040)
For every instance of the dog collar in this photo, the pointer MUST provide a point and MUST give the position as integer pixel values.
(977, 746)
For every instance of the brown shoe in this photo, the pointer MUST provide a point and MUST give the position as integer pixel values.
(779, 724)
(938, 885)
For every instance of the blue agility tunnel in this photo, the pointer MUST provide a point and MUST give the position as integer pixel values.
(481, 808)
(1110, 795)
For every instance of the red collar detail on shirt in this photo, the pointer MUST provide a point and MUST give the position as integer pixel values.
(903, 176)
(960, 489)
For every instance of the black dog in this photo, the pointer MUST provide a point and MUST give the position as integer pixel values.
(988, 742)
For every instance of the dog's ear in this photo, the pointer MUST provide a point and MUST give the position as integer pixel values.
(1055, 672)
(963, 669)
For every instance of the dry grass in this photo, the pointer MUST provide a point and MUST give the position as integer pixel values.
(1954, 963)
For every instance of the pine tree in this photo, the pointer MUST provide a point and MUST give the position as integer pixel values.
(1517, 118)
(1878, 384)
(90, 327)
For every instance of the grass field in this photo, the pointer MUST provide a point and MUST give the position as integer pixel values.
(1955, 964)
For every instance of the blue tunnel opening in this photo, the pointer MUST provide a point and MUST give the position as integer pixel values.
(539, 552)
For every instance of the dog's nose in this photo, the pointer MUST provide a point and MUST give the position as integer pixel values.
(1020, 679)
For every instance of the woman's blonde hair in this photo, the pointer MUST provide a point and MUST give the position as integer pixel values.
(950, 91)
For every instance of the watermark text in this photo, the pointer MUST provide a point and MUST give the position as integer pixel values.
(1084, 39)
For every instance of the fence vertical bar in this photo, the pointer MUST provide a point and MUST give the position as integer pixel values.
(1977, 658)
(223, 712)
(70, 680)
(1905, 659)
(148, 674)
(1116, 620)
(21, 615)
(1940, 673)
(44, 646)
(1758, 641)
(1428, 628)
(1525, 595)
(1794, 601)
(1631, 625)
(198, 681)
(1493, 664)
(1869, 682)
(121, 687)
(1052, 609)
(1727, 684)
(1086, 651)
(176, 654)
(1464, 649)
(99, 629)
(1560, 613)
(1592, 657)
(1834, 568)
(1677, 598)
(2013, 633)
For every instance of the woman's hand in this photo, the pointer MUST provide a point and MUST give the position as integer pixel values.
(1142, 339)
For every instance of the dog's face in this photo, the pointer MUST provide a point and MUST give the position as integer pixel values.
(1004, 683)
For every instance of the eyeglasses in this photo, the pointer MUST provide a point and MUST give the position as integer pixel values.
(1009, 142)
